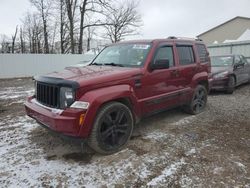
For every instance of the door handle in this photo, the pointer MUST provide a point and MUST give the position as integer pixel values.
(195, 69)
(175, 73)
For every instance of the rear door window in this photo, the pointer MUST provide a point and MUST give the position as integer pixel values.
(202, 52)
(186, 55)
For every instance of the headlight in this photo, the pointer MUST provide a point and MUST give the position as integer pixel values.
(35, 86)
(221, 74)
(67, 97)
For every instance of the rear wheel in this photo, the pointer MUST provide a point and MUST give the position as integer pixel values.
(112, 128)
(231, 85)
(199, 100)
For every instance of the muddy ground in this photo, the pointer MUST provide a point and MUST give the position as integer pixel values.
(171, 149)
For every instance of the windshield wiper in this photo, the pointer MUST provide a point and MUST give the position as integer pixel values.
(114, 64)
(96, 64)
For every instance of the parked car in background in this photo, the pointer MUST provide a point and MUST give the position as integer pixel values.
(81, 64)
(127, 81)
(229, 71)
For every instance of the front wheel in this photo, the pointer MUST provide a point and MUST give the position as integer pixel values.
(112, 128)
(231, 85)
(198, 102)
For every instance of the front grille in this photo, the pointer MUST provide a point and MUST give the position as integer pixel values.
(47, 94)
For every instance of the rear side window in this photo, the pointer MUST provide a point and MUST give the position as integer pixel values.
(243, 59)
(165, 52)
(237, 59)
(202, 52)
(186, 55)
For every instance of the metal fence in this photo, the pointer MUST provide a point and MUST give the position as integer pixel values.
(27, 65)
(242, 48)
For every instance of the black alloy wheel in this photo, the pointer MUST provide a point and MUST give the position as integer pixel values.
(198, 102)
(231, 85)
(112, 128)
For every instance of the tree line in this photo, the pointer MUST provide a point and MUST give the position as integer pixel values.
(68, 26)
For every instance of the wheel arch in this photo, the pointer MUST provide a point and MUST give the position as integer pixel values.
(235, 77)
(204, 83)
(127, 102)
(100, 97)
(202, 79)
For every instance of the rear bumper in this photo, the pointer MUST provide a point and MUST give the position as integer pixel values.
(65, 122)
(219, 84)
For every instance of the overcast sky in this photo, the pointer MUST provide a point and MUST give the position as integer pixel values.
(161, 18)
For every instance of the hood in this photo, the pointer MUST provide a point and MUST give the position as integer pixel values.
(216, 70)
(88, 75)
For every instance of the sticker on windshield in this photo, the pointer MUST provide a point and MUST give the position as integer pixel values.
(141, 46)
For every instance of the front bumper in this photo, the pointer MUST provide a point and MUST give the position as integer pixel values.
(65, 122)
(219, 83)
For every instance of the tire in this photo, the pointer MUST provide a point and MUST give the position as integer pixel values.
(198, 102)
(231, 85)
(112, 128)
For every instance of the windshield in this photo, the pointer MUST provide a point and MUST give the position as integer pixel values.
(124, 55)
(222, 61)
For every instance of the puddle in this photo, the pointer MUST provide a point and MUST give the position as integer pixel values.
(2, 110)
(51, 157)
(78, 157)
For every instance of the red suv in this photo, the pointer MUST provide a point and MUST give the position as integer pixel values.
(124, 83)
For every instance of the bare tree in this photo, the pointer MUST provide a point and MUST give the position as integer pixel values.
(43, 7)
(53, 38)
(62, 25)
(22, 42)
(4, 41)
(33, 32)
(123, 19)
(90, 33)
(83, 6)
(96, 7)
(71, 8)
(14, 40)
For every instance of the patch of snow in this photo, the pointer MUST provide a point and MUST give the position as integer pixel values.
(25, 162)
(15, 102)
(218, 170)
(16, 94)
(191, 152)
(166, 173)
(241, 166)
(245, 36)
(157, 136)
(184, 121)
(185, 181)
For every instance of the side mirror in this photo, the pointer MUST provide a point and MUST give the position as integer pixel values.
(160, 64)
(239, 64)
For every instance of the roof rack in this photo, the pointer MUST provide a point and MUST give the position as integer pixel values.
(172, 37)
(184, 38)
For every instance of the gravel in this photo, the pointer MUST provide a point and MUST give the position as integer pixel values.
(171, 149)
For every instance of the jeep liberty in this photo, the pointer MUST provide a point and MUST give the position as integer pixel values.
(126, 81)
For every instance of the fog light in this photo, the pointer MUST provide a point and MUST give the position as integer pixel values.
(81, 119)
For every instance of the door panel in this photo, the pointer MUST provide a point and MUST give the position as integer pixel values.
(238, 70)
(188, 67)
(246, 69)
(160, 87)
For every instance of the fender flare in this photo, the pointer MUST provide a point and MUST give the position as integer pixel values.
(200, 77)
(98, 97)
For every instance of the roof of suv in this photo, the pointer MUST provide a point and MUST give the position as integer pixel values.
(170, 39)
